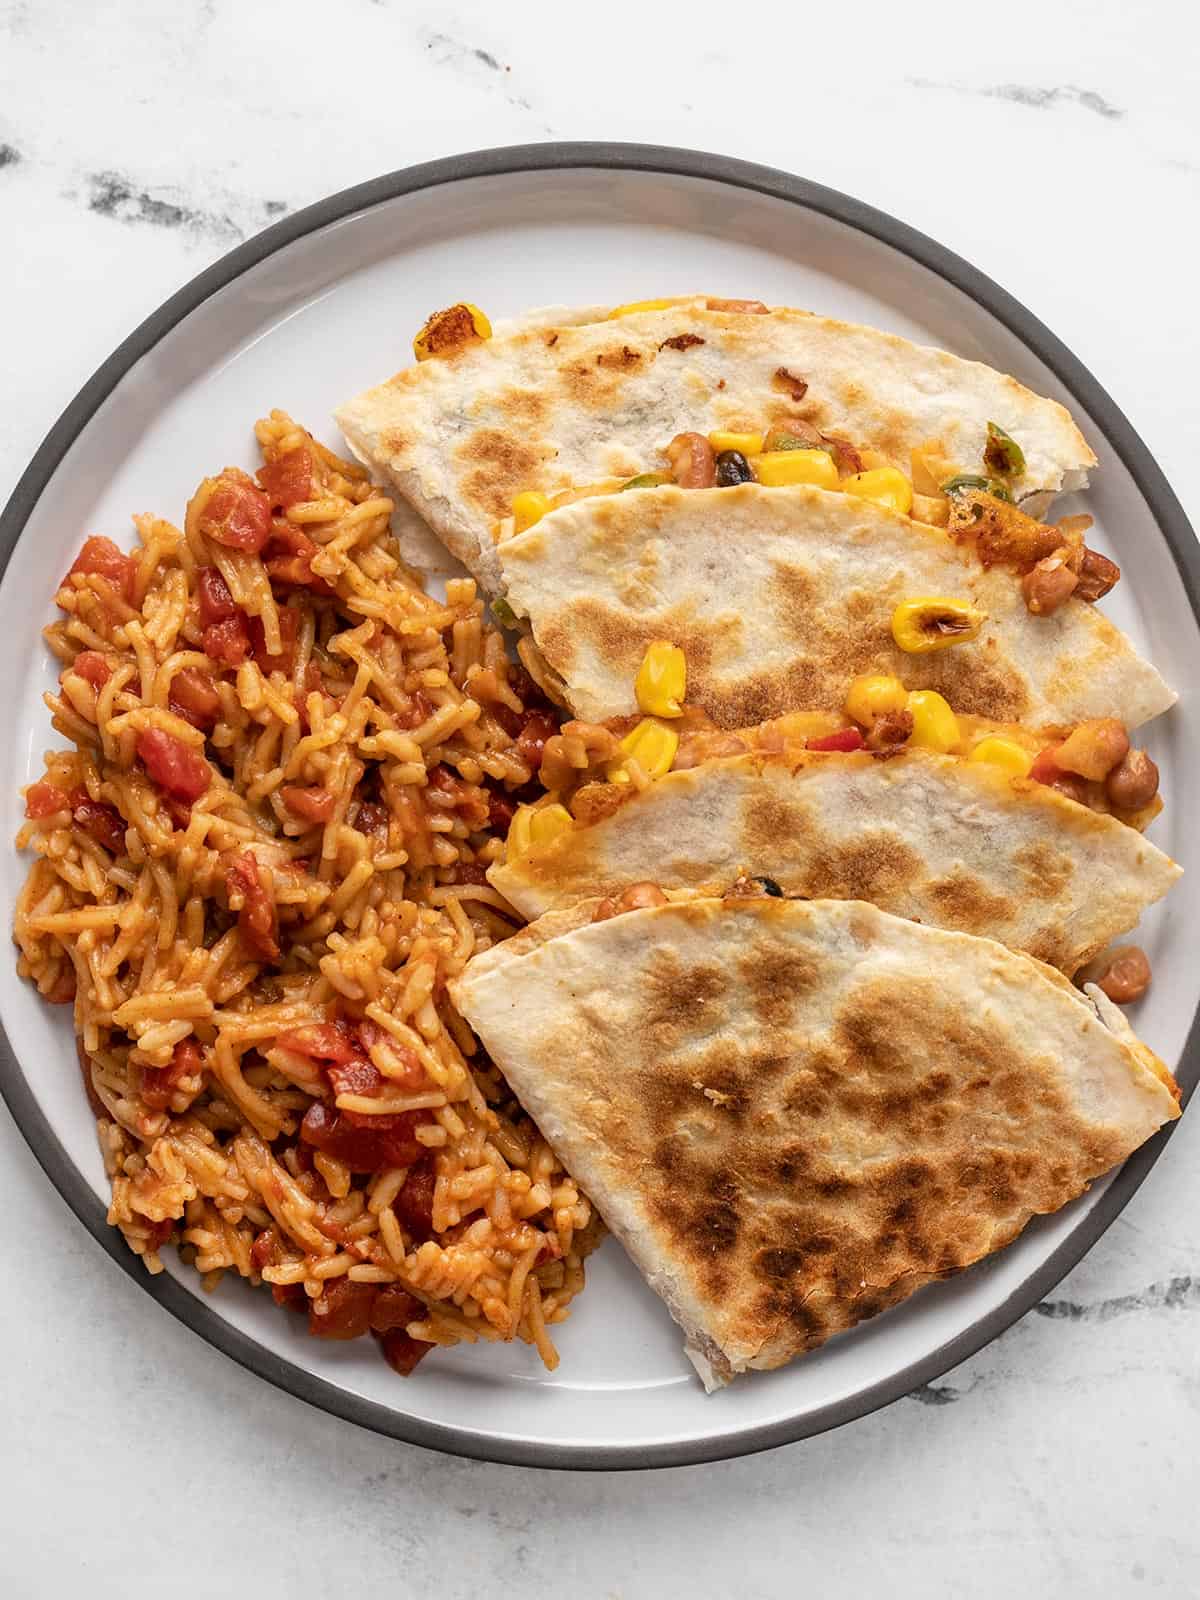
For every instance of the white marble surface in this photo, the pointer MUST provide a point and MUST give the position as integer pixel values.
(1055, 144)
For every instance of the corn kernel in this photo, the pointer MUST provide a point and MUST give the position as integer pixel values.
(935, 727)
(746, 444)
(934, 622)
(453, 329)
(639, 305)
(886, 486)
(547, 823)
(874, 694)
(529, 507)
(661, 681)
(652, 745)
(1006, 754)
(778, 468)
(520, 833)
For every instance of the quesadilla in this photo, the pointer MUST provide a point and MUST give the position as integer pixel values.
(954, 843)
(779, 597)
(794, 1114)
(556, 403)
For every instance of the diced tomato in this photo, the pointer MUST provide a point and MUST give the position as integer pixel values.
(227, 642)
(257, 917)
(401, 1352)
(264, 1250)
(414, 1204)
(288, 558)
(43, 800)
(99, 821)
(357, 1076)
(389, 1141)
(373, 821)
(394, 1307)
(310, 805)
(291, 1295)
(236, 514)
(420, 710)
(342, 1310)
(216, 602)
(92, 667)
(159, 1083)
(288, 479)
(194, 697)
(411, 1074)
(846, 739)
(501, 810)
(288, 623)
(101, 558)
(322, 1041)
(1045, 769)
(531, 741)
(178, 769)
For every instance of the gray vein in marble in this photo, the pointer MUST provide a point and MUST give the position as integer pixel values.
(111, 194)
(1176, 1294)
(10, 156)
(1034, 96)
(448, 52)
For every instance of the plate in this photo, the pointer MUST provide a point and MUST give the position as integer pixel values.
(316, 309)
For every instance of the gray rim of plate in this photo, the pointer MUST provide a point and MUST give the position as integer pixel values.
(558, 157)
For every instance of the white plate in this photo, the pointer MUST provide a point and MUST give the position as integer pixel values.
(316, 309)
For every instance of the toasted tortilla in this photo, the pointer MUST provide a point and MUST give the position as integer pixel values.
(779, 597)
(794, 1114)
(560, 400)
(957, 844)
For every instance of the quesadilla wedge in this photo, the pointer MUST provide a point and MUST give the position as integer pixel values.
(779, 597)
(554, 404)
(954, 843)
(794, 1114)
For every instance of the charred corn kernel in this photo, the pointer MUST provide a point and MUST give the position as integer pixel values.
(886, 486)
(935, 727)
(874, 694)
(933, 622)
(529, 507)
(639, 305)
(1006, 754)
(651, 744)
(548, 823)
(778, 468)
(449, 330)
(661, 681)
(746, 444)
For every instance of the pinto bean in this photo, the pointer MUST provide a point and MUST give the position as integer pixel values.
(1049, 585)
(1133, 782)
(1097, 574)
(1124, 975)
(692, 463)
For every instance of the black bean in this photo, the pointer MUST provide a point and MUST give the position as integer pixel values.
(771, 887)
(732, 467)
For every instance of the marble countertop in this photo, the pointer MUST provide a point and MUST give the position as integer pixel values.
(1058, 147)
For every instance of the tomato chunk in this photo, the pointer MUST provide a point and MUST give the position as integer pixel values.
(531, 741)
(160, 1083)
(414, 1204)
(846, 739)
(288, 623)
(227, 642)
(257, 918)
(43, 800)
(174, 766)
(101, 558)
(194, 697)
(364, 1144)
(310, 805)
(288, 558)
(236, 514)
(393, 1308)
(342, 1310)
(412, 1074)
(401, 1352)
(99, 821)
(288, 479)
(356, 1076)
(92, 667)
(216, 602)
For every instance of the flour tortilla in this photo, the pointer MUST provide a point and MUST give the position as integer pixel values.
(794, 1114)
(559, 400)
(779, 597)
(957, 844)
